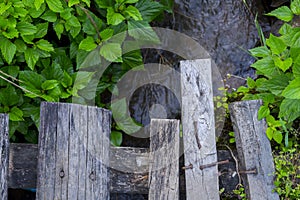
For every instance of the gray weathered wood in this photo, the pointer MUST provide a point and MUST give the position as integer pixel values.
(199, 129)
(254, 150)
(73, 152)
(164, 160)
(4, 155)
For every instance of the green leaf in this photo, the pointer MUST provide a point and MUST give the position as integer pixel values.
(283, 65)
(251, 83)
(59, 29)
(49, 16)
(66, 14)
(88, 2)
(141, 30)
(11, 32)
(31, 80)
(283, 13)
(277, 84)
(42, 30)
(266, 66)
(38, 3)
(8, 49)
(150, 9)
(81, 81)
(263, 112)
(116, 138)
(292, 91)
(111, 52)
(276, 44)
(132, 60)
(169, 4)
(105, 3)
(9, 96)
(133, 12)
(262, 51)
(44, 45)
(67, 80)
(290, 109)
(106, 34)
(49, 84)
(55, 5)
(26, 28)
(73, 2)
(4, 7)
(88, 44)
(91, 60)
(130, 1)
(277, 136)
(34, 13)
(295, 7)
(16, 114)
(128, 125)
(31, 57)
(114, 18)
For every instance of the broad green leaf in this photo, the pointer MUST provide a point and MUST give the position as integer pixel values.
(91, 60)
(31, 80)
(42, 30)
(9, 96)
(33, 112)
(266, 66)
(131, 1)
(169, 4)
(4, 7)
(66, 14)
(128, 125)
(8, 49)
(26, 28)
(270, 133)
(277, 136)
(150, 9)
(119, 109)
(53, 72)
(290, 109)
(114, 18)
(296, 70)
(105, 3)
(295, 7)
(73, 2)
(116, 138)
(44, 45)
(59, 29)
(106, 34)
(292, 91)
(251, 83)
(133, 12)
(73, 21)
(262, 51)
(11, 32)
(266, 97)
(141, 30)
(276, 44)
(132, 60)
(54, 93)
(88, 44)
(89, 27)
(111, 52)
(55, 5)
(31, 57)
(38, 3)
(75, 31)
(22, 12)
(49, 84)
(283, 65)
(81, 80)
(67, 80)
(283, 13)
(16, 114)
(285, 29)
(277, 84)
(80, 57)
(263, 112)
(34, 13)
(49, 16)
(88, 2)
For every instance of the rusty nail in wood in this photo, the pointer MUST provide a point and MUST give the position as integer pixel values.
(61, 174)
(188, 167)
(213, 164)
(139, 179)
(254, 171)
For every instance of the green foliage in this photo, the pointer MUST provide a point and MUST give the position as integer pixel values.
(278, 82)
(48, 48)
(240, 191)
(287, 173)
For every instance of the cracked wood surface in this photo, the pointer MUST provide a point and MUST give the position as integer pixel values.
(254, 150)
(4, 155)
(164, 160)
(199, 129)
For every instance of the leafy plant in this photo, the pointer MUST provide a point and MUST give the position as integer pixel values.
(278, 70)
(48, 48)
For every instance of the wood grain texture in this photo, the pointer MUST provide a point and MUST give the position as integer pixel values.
(164, 160)
(254, 150)
(4, 155)
(199, 129)
(73, 152)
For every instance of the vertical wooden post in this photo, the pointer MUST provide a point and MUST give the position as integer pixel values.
(73, 152)
(254, 150)
(164, 160)
(199, 130)
(4, 151)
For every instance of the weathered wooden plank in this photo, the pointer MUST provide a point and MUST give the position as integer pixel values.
(73, 152)
(198, 128)
(4, 155)
(23, 173)
(164, 160)
(254, 150)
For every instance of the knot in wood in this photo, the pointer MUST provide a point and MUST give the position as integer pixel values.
(61, 174)
(188, 167)
(92, 176)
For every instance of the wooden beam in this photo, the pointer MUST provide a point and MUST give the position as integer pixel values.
(73, 150)
(198, 129)
(164, 159)
(4, 155)
(254, 150)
